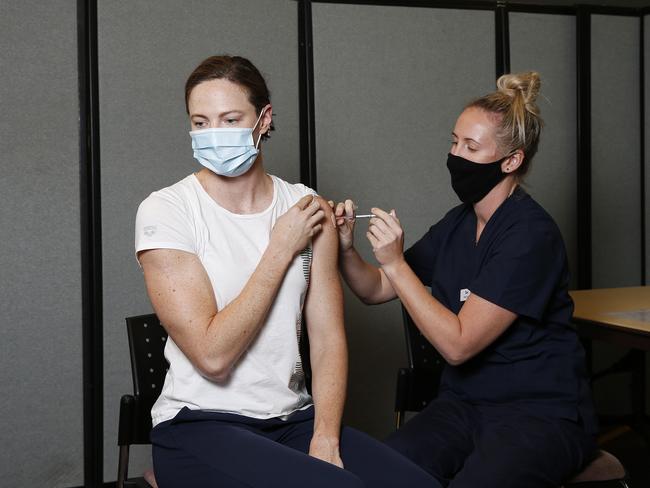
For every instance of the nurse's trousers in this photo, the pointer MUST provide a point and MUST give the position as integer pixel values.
(465, 446)
(206, 449)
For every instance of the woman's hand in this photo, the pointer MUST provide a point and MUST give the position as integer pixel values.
(386, 236)
(326, 449)
(344, 215)
(293, 230)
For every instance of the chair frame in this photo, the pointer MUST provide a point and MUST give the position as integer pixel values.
(417, 384)
(135, 409)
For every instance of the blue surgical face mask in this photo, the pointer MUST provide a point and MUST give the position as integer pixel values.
(226, 151)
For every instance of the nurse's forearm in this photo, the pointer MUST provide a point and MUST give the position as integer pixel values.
(438, 324)
(367, 282)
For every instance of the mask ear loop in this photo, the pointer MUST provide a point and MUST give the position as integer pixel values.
(259, 137)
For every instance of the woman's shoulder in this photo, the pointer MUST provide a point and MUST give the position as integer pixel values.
(176, 196)
(291, 192)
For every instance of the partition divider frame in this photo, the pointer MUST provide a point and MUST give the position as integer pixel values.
(642, 147)
(459, 5)
(91, 243)
(509, 6)
(502, 41)
(583, 133)
(306, 94)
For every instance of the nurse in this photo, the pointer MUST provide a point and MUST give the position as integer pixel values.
(514, 408)
(233, 259)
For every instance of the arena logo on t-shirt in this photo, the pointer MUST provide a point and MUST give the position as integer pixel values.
(464, 294)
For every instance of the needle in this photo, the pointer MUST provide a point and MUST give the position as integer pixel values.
(364, 216)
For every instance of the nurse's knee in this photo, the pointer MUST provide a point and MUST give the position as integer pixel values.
(401, 442)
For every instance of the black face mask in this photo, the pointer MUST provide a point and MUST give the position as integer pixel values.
(472, 181)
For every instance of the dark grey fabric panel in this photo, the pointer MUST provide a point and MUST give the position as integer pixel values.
(389, 84)
(616, 202)
(146, 52)
(40, 277)
(546, 44)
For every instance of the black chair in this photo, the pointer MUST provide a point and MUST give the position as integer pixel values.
(418, 384)
(147, 340)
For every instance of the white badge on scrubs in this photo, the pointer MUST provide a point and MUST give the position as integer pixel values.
(464, 294)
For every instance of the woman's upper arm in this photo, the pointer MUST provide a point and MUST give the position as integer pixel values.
(181, 294)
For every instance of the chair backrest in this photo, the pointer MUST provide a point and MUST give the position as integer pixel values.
(147, 339)
(421, 354)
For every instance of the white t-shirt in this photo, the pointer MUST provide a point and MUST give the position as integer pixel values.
(267, 381)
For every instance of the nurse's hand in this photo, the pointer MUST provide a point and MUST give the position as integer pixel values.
(344, 215)
(295, 228)
(386, 236)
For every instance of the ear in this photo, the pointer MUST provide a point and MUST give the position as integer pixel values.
(267, 118)
(513, 162)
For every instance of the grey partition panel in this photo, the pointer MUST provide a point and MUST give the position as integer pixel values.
(616, 200)
(389, 85)
(40, 277)
(146, 52)
(547, 44)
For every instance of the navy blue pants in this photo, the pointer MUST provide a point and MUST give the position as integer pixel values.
(206, 449)
(466, 446)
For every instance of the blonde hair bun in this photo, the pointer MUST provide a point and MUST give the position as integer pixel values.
(519, 124)
(525, 85)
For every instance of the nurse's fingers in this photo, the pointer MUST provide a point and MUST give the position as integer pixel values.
(389, 218)
(382, 226)
(380, 235)
(373, 240)
(381, 214)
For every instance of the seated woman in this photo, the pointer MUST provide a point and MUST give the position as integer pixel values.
(233, 258)
(514, 408)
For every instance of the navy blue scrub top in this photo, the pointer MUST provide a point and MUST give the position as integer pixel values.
(519, 264)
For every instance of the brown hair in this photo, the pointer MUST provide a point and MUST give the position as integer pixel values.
(238, 70)
(519, 124)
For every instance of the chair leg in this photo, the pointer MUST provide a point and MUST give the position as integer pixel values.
(123, 466)
(399, 419)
